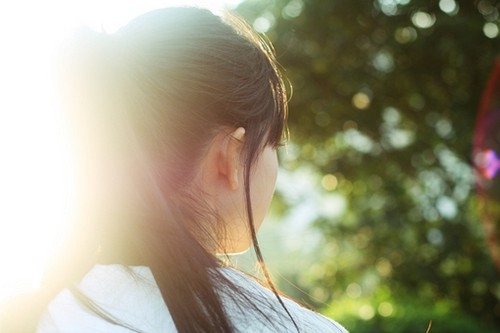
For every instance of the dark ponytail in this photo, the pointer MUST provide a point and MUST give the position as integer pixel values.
(171, 78)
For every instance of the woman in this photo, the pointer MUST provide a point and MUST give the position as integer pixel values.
(177, 118)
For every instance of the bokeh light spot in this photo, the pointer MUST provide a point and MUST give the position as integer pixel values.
(264, 22)
(350, 124)
(385, 309)
(416, 101)
(353, 290)
(329, 182)
(444, 128)
(490, 29)
(449, 7)
(435, 236)
(320, 294)
(486, 8)
(322, 119)
(384, 267)
(292, 9)
(390, 7)
(358, 140)
(383, 61)
(405, 35)
(366, 312)
(423, 20)
(361, 100)
(447, 207)
(391, 115)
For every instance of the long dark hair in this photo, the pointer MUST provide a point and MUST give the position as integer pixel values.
(174, 77)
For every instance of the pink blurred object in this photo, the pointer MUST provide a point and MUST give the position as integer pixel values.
(486, 152)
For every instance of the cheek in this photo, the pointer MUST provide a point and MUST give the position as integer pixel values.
(263, 184)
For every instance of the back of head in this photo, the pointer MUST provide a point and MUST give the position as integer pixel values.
(145, 103)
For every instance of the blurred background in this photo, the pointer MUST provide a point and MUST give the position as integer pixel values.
(376, 209)
(376, 221)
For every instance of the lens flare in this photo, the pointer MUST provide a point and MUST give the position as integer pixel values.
(488, 163)
(37, 169)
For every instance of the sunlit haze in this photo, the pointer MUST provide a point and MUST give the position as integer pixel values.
(36, 180)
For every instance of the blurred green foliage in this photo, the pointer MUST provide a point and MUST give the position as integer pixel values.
(405, 316)
(383, 111)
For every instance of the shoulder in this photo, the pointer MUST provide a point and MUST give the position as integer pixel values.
(130, 296)
(269, 316)
(127, 295)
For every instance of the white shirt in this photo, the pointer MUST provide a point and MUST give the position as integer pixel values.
(130, 294)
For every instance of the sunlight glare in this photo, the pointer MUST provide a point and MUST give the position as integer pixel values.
(37, 191)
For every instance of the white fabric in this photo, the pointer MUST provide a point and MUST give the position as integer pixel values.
(130, 295)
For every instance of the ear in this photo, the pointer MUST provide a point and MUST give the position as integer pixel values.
(229, 161)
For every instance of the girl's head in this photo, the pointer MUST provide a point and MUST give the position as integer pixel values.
(176, 117)
(185, 109)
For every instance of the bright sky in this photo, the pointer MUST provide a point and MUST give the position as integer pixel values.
(35, 169)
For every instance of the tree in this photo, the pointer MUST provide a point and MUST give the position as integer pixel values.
(384, 105)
